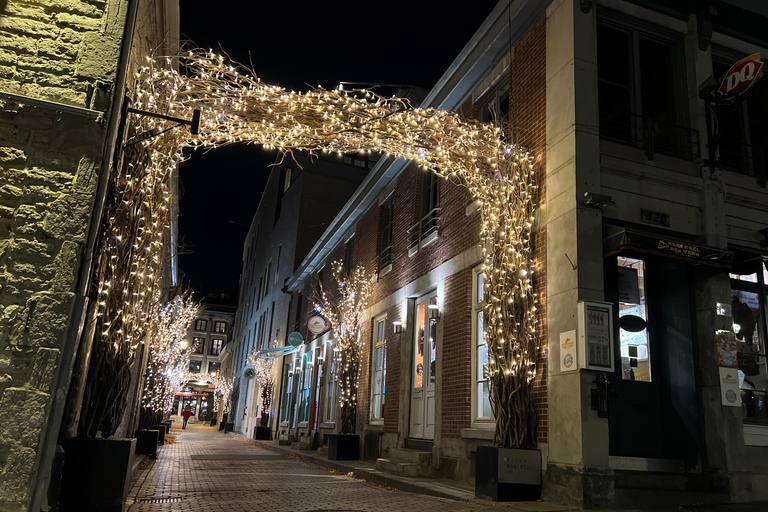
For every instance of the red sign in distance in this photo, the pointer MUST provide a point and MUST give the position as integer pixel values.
(316, 324)
(741, 76)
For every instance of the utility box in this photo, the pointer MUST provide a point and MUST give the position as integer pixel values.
(595, 335)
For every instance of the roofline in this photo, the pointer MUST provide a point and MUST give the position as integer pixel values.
(473, 64)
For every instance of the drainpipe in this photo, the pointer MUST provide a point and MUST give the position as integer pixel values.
(42, 480)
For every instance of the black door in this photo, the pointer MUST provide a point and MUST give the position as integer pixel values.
(653, 406)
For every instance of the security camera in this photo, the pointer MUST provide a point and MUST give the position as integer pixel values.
(597, 200)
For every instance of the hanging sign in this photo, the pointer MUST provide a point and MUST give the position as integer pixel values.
(741, 77)
(295, 339)
(316, 324)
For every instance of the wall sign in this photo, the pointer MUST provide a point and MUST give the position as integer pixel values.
(595, 335)
(316, 324)
(741, 77)
(730, 394)
(295, 339)
(569, 360)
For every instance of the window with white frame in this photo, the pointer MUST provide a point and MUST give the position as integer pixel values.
(201, 325)
(481, 403)
(216, 346)
(332, 384)
(378, 370)
(220, 327)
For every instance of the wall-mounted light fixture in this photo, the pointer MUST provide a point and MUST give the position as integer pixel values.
(434, 311)
(194, 124)
(398, 326)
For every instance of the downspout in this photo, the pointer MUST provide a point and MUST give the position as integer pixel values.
(42, 478)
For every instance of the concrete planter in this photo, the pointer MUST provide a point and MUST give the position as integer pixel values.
(262, 433)
(507, 474)
(146, 442)
(343, 446)
(229, 427)
(222, 425)
(96, 475)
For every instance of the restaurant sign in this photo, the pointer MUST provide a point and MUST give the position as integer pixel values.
(741, 77)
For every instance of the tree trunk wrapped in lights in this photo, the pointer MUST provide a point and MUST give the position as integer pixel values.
(237, 107)
(266, 380)
(168, 355)
(345, 311)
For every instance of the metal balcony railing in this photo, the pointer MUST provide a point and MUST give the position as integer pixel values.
(421, 231)
(649, 134)
(385, 257)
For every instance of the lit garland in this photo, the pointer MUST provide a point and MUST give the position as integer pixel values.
(345, 310)
(168, 354)
(265, 377)
(239, 108)
(223, 385)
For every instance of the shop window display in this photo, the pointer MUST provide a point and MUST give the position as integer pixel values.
(749, 293)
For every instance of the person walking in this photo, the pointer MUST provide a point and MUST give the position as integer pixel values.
(186, 413)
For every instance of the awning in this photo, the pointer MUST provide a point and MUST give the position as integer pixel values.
(277, 352)
(627, 240)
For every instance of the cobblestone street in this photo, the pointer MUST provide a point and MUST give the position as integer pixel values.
(203, 469)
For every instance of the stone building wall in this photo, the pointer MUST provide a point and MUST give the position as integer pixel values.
(63, 51)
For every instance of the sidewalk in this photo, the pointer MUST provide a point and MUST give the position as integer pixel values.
(202, 469)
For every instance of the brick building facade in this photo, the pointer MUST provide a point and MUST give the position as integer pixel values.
(605, 96)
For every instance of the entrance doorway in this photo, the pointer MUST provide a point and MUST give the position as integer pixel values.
(422, 424)
(653, 405)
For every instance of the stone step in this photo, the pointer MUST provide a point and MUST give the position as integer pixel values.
(687, 482)
(409, 455)
(400, 468)
(659, 498)
(304, 444)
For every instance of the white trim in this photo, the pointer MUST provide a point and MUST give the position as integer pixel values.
(374, 345)
(477, 423)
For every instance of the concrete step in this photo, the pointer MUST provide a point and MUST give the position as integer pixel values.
(400, 468)
(409, 455)
(304, 444)
(323, 451)
(665, 499)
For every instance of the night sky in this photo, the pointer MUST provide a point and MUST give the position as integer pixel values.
(293, 44)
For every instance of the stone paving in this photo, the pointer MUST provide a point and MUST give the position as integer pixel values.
(202, 469)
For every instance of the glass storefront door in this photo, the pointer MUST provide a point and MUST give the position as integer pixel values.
(422, 422)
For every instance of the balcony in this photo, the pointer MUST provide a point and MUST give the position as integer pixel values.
(424, 232)
(649, 134)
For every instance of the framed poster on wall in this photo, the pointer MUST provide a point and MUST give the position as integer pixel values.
(595, 335)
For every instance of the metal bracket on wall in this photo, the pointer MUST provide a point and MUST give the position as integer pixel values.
(96, 115)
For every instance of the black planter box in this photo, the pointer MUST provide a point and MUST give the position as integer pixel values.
(222, 425)
(343, 446)
(214, 421)
(160, 433)
(163, 426)
(169, 423)
(229, 427)
(97, 474)
(146, 442)
(507, 474)
(262, 433)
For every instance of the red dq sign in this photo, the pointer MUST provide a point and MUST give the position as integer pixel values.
(741, 76)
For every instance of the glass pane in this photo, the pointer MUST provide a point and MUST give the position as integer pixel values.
(379, 358)
(432, 350)
(635, 349)
(418, 360)
(482, 362)
(484, 401)
(765, 273)
(745, 311)
(480, 289)
(380, 331)
(377, 406)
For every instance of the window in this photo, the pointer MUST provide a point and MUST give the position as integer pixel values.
(635, 347)
(495, 108)
(214, 368)
(749, 294)
(194, 366)
(282, 187)
(424, 231)
(199, 344)
(332, 385)
(216, 346)
(741, 124)
(266, 281)
(299, 306)
(641, 89)
(306, 387)
(277, 263)
(201, 325)
(349, 249)
(220, 327)
(481, 393)
(288, 387)
(386, 220)
(379, 370)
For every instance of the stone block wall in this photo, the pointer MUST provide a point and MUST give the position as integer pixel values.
(64, 51)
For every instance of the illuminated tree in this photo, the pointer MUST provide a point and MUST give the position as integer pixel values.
(168, 355)
(266, 380)
(345, 311)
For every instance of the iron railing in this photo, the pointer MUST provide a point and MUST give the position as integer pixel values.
(424, 227)
(649, 134)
